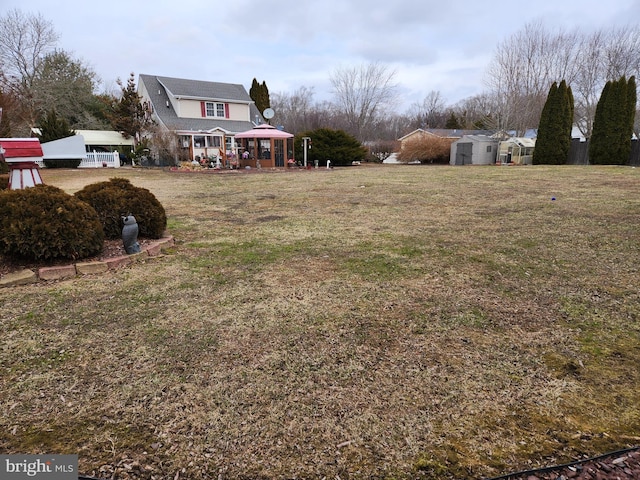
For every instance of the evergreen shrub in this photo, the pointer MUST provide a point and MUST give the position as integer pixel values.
(116, 197)
(44, 223)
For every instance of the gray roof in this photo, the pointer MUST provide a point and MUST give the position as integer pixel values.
(457, 133)
(159, 89)
(478, 138)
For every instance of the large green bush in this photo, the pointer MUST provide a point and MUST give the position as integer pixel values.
(44, 222)
(117, 197)
(327, 144)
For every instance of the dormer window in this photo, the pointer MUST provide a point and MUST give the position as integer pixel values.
(214, 109)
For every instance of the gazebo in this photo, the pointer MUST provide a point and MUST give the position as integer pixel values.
(265, 146)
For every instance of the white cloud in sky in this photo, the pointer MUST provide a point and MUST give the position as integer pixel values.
(432, 45)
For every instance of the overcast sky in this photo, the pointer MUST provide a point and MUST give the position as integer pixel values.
(442, 45)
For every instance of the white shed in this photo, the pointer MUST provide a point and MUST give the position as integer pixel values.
(474, 150)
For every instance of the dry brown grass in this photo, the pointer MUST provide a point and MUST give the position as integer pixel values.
(387, 322)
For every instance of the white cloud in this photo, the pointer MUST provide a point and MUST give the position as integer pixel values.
(432, 45)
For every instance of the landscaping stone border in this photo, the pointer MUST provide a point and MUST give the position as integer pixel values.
(25, 277)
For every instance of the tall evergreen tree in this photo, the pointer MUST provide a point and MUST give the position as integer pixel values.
(53, 127)
(566, 97)
(452, 122)
(253, 91)
(259, 93)
(610, 143)
(265, 95)
(127, 115)
(554, 130)
(629, 115)
(546, 143)
(598, 143)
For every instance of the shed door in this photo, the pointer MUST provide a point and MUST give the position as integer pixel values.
(463, 153)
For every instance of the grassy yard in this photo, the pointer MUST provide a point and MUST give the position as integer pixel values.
(366, 322)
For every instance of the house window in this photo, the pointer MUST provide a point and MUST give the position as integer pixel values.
(213, 141)
(488, 148)
(214, 109)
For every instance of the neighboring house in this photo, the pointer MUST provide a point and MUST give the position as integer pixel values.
(205, 115)
(417, 134)
(452, 134)
(474, 150)
(516, 151)
(420, 134)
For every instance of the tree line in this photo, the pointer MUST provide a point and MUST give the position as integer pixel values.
(517, 81)
(37, 78)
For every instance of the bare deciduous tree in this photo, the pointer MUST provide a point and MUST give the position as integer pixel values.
(589, 81)
(431, 112)
(361, 94)
(527, 63)
(486, 111)
(523, 68)
(293, 111)
(24, 41)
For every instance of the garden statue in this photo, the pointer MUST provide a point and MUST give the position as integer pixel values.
(130, 234)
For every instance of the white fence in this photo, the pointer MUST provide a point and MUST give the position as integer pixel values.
(100, 159)
(96, 160)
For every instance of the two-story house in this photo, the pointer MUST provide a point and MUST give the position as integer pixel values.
(205, 115)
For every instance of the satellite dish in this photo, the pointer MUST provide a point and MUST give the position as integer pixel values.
(268, 113)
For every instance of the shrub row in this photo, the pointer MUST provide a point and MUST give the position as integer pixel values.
(44, 222)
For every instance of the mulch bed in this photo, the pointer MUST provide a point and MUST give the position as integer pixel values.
(620, 465)
(111, 249)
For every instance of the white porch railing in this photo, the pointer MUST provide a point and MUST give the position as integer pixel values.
(95, 160)
(100, 159)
